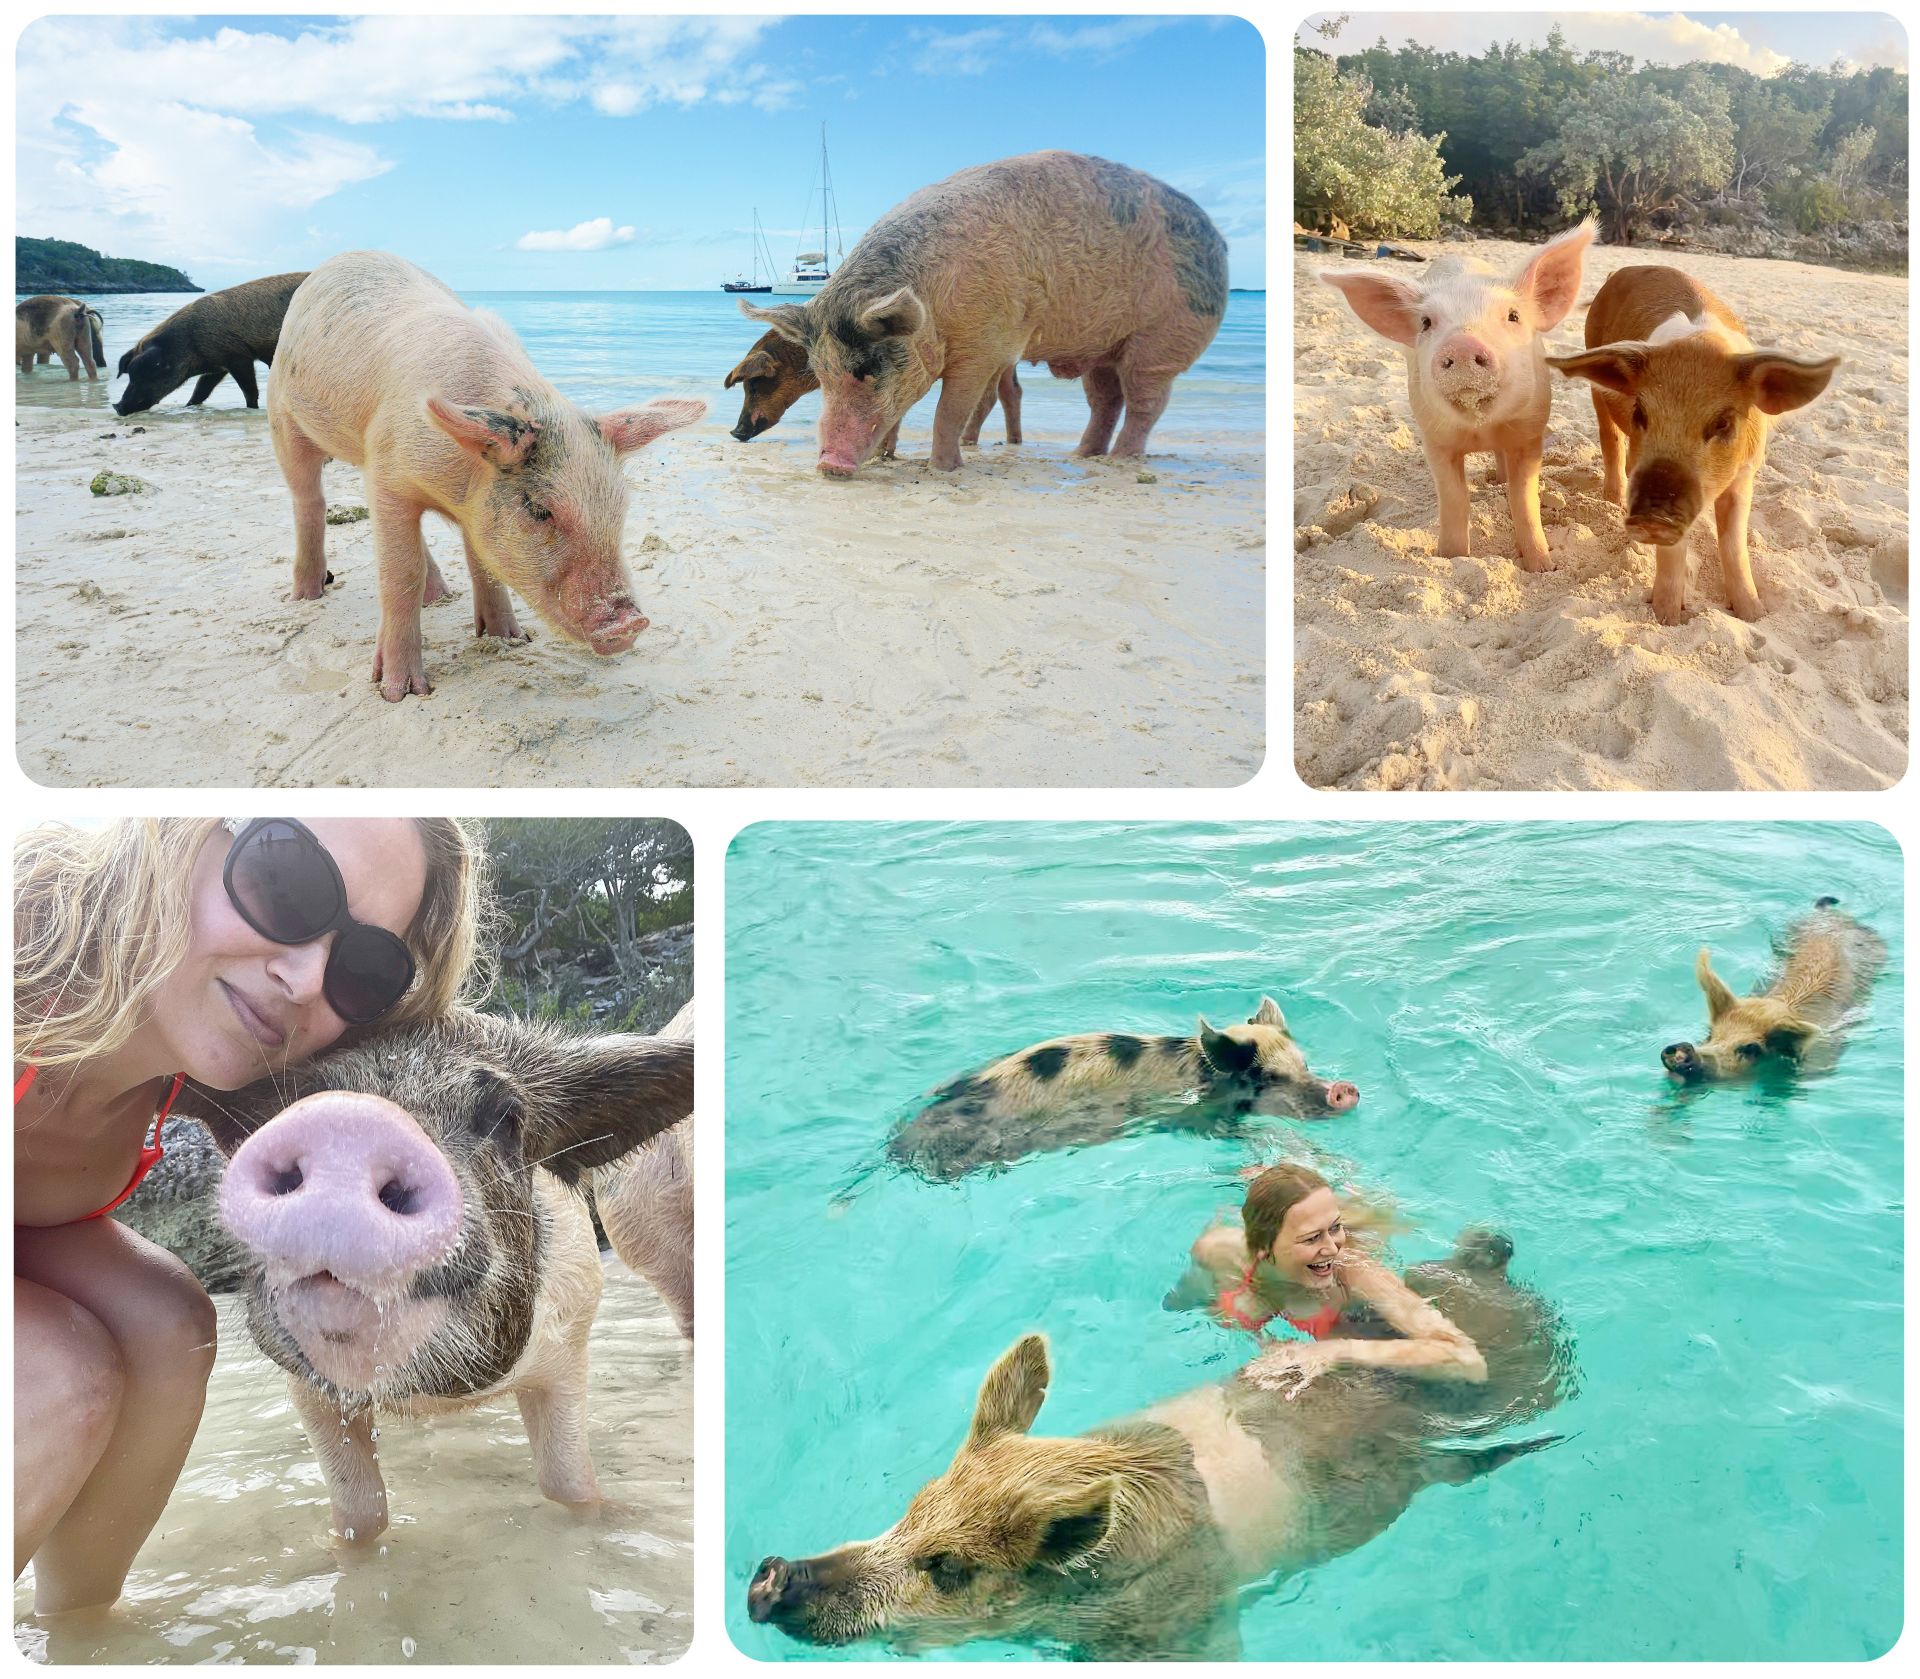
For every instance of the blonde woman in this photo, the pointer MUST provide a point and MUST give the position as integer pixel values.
(146, 954)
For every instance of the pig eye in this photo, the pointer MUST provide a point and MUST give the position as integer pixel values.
(1513, 315)
(1639, 418)
(947, 1572)
(1748, 1052)
(538, 514)
(1426, 323)
(1721, 427)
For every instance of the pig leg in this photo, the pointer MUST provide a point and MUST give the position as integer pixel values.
(1736, 569)
(890, 444)
(556, 1419)
(242, 372)
(85, 347)
(399, 661)
(1613, 454)
(1523, 501)
(971, 436)
(1009, 391)
(344, 1446)
(1449, 469)
(69, 361)
(204, 388)
(300, 462)
(962, 387)
(1105, 399)
(492, 606)
(1670, 583)
(1146, 395)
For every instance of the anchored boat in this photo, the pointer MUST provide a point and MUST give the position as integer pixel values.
(810, 272)
(759, 250)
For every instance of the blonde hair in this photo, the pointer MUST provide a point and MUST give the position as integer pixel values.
(101, 918)
(1274, 1193)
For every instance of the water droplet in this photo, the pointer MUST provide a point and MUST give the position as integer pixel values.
(349, 1533)
(407, 1647)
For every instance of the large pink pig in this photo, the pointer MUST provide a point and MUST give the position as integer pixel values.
(382, 366)
(1103, 273)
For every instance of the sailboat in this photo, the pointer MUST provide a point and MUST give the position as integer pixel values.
(810, 272)
(759, 250)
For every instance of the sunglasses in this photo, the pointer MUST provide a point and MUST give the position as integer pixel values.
(288, 889)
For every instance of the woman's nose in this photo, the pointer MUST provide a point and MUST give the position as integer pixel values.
(301, 969)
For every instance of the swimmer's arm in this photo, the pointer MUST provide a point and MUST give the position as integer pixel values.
(1219, 1257)
(1434, 1345)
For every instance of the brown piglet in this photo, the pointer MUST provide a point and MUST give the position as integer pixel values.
(1684, 402)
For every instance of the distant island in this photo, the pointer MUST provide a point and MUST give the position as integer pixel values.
(59, 265)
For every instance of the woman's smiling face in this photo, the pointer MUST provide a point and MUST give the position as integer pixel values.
(1311, 1238)
(240, 1006)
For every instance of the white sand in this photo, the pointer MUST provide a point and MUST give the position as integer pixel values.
(1033, 620)
(1418, 672)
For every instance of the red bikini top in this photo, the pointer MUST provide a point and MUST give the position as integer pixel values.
(149, 1152)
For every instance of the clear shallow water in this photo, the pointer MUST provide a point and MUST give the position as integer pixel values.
(606, 349)
(476, 1566)
(1729, 1263)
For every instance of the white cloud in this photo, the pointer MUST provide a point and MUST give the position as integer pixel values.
(1673, 38)
(1094, 40)
(597, 235)
(966, 52)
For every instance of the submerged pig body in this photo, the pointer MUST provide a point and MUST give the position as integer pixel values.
(1477, 375)
(1076, 1091)
(382, 366)
(1827, 962)
(1104, 273)
(418, 1240)
(1684, 405)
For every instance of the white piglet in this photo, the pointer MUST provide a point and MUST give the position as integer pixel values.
(1476, 370)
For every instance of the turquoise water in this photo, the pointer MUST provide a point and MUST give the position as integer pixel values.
(1729, 1262)
(604, 349)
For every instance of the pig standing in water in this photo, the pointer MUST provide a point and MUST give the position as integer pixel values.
(1103, 273)
(1477, 371)
(1827, 963)
(58, 326)
(382, 366)
(1070, 1092)
(1129, 1542)
(1684, 404)
(223, 333)
(419, 1244)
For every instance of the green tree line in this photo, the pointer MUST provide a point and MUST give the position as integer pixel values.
(59, 265)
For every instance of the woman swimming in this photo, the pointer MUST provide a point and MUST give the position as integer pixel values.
(145, 953)
(1295, 1259)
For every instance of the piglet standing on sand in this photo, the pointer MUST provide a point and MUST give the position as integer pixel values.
(382, 366)
(1477, 370)
(1684, 403)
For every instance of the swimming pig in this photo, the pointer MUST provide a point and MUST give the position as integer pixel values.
(1684, 403)
(1103, 273)
(410, 1207)
(1068, 1092)
(1477, 371)
(1827, 963)
(1129, 1542)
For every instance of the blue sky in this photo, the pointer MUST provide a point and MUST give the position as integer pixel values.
(1763, 42)
(235, 147)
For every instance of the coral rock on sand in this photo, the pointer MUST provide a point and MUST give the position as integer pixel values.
(117, 484)
(1414, 671)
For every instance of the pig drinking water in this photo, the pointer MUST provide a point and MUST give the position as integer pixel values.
(410, 1207)
(1684, 403)
(1477, 371)
(1129, 1542)
(1827, 961)
(58, 326)
(775, 375)
(1103, 273)
(382, 366)
(1070, 1092)
(223, 333)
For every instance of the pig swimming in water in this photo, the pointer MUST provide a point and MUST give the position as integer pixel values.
(1828, 961)
(418, 1242)
(1070, 1092)
(382, 366)
(1477, 372)
(1103, 273)
(1130, 1541)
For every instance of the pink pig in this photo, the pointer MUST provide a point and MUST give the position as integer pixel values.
(382, 366)
(1476, 370)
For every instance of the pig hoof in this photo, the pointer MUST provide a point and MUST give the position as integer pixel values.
(1537, 562)
(1749, 611)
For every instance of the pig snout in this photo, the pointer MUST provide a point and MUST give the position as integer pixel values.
(1663, 502)
(779, 1592)
(1465, 370)
(1342, 1096)
(615, 627)
(345, 1187)
(1682, 1060)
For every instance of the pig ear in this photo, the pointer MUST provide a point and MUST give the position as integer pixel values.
(1078, 1526)
(1268, 1014)
(1616, 366)
(123, 362)
(634, 428)
(1780, 383)
(1720, 995)
(592, 1100)
(787, 319)
(1222, 1053)
(1010, 1397)
(1791, 1036)
(1551, 281)
(898, 315)
(502, 440)
(758, 365)
(1390, 306)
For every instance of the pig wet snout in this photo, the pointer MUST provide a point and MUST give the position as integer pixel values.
(1682, 1060)
(615, 627)
(1341, 1096)
(778, 1591)
(347, 1185)
(1663, 502)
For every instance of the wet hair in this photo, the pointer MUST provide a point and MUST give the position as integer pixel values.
(101, 918)
(1270, 1197)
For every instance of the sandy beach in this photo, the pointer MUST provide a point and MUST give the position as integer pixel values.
(1416, 672)
(1032, 620)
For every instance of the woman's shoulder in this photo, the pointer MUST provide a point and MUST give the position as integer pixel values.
(1221, 1248)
